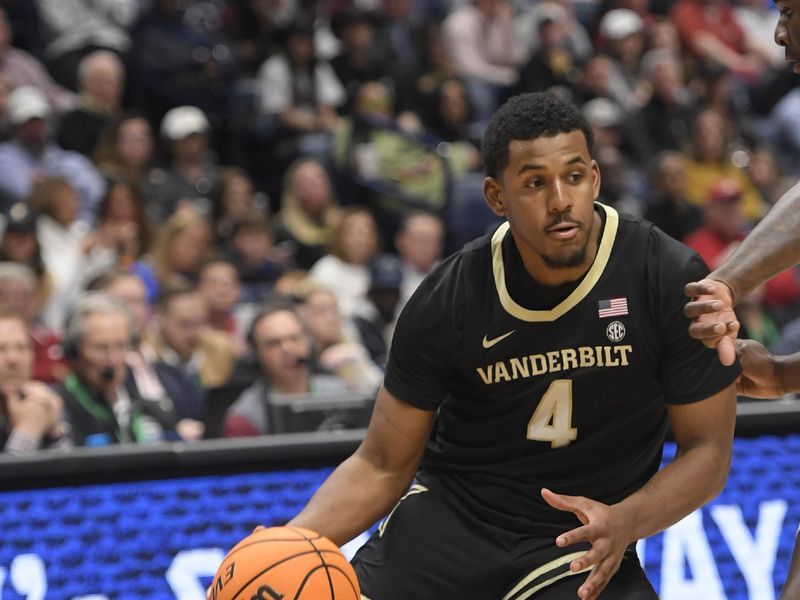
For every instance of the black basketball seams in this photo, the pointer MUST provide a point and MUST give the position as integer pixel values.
(280, 562)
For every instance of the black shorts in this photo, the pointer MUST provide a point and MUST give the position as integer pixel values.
(429, 549)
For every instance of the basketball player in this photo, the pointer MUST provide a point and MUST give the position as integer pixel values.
(529, 386)
(774, 245)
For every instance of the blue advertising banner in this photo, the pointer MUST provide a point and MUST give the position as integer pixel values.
(164, 539)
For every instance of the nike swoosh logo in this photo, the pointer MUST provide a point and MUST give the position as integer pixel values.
(489, 343)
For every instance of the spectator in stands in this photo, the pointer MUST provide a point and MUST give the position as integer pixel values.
(253, 28)
(709, 162)
(622, 38)
(19, 68)
(191, 177)
(395, 38)
(182, 338)
(219, 285)
(74, 28)
(298, 94)
(122, 224)
(174, 63)
(552, 62)
(30, 155)
(668, 113)
(724, 223)
(385, 285)
(482, 39)
(449, 119)
(181, 247)
(18, 286)
(434, 65)
(101, 77)
(257, 261)
(355, 242)
(766, 174)
(101, 400)
(125, 149)
(533, 18)
(667, 205)
(310, 212)
(69, 252)
(357, 63)
(282, 346)
(20, 244)
(710, 33)
(30, 412)
(235, 198)
(419, 242)
(337, 341)
(147, 375)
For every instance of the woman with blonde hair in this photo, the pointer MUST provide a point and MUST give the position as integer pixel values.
(181, 248)
(309, 213)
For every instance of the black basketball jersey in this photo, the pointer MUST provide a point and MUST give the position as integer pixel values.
(571, 396)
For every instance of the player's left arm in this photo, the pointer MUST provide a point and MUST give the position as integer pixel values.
(704, 437)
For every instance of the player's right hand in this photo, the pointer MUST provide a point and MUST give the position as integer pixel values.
(713, 321)
(759, 378)
(603, 529)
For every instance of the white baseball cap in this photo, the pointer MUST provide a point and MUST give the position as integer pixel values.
(620, 23)
(183, 121)
(25, 103)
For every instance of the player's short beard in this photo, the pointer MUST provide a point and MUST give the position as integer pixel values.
(573, 260)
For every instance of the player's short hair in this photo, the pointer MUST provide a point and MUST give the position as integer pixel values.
(528, 117)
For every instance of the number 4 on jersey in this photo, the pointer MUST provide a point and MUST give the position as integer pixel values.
(552, 419)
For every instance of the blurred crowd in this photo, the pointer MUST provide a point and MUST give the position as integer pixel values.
(208, 206)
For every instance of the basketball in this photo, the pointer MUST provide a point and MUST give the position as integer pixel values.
(285, 563)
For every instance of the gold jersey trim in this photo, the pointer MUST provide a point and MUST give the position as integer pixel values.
(578, 294)
(538, 572)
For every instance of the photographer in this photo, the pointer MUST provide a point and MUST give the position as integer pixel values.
(30, 412)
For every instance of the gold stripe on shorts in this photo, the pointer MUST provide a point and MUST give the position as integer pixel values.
(542, 570)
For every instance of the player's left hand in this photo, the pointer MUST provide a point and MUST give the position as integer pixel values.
(603, 528)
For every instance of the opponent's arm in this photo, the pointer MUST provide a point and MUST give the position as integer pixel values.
(365, 486)
(773, 246)
(791, 589)
(704, 436)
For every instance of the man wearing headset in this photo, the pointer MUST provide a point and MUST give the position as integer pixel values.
(101, 401)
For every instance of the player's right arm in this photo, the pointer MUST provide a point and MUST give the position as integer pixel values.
(773, 246)
(369, 483)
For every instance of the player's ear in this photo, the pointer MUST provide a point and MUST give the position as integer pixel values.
(596, 179)
(493, 196)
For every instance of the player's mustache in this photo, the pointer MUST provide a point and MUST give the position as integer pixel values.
(562, 218)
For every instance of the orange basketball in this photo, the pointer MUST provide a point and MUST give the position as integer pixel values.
(285, 563)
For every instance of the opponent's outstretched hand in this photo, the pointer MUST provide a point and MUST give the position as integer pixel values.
(713, 320)
(603, 528)
(759, 378)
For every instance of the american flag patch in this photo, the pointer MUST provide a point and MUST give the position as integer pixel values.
(613, 307)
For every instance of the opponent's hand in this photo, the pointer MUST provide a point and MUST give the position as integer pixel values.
(713, 320)
(759, 378)
(603, 528)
